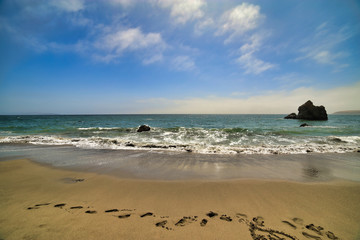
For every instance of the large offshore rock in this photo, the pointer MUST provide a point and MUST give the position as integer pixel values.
(308, 111)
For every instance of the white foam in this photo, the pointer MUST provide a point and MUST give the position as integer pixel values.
(98, 128)
(199, 145)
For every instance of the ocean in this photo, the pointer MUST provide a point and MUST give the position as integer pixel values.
(207, 134)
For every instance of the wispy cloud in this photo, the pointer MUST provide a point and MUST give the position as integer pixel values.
(153, 59)
(203, 25)
(253, 65)
(183, 63)
(124, 3)
(242, 23)
(248, 59)
(68, 5)
(323, 47)
(182, 11)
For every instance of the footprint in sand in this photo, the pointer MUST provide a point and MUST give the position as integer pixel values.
(259, 232)
(42, 204)
(30, 208)
(225, 218)
(76, 207)
(211, 214)
(203, 222)
(242, 218)
(316, 229)
(72, 180)
(241, 215)
(185, 221)
(36, 206)
(311, 236)
(91, 211)
(146, 214)
(331, 236)
(298, 221)
(162, 224)
(124, 216)
(111, 210)
(289, 224)
(259, 221)
(60, 205)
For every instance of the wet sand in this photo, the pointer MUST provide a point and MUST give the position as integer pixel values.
(41, 202)
(173, 165)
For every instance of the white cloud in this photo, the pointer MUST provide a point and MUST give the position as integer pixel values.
(253, 44)
(253, 65)
(114, 44)
(239, 20)
(183, 63)
(335, 99)
(130, 39)
(242, 21)
(183, 11)
(68, 5)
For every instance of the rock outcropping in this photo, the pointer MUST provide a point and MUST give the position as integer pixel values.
(291, 116)
(308, 111)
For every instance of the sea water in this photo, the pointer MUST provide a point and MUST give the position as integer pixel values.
(206, 134)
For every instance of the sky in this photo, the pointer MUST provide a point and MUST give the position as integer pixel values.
(178, 56)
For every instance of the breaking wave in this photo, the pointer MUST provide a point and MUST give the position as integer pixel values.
(205, 141)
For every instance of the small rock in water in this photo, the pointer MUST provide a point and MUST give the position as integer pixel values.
(129, 144)
(143, 128)
(304, 125)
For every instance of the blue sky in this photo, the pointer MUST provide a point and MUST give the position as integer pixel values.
(190, 56)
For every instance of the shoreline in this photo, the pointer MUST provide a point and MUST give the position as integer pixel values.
(153, 209)
(162, 165)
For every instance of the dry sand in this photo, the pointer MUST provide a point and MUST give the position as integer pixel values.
(40, 202)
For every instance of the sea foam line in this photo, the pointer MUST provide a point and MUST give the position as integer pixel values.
(196, 147)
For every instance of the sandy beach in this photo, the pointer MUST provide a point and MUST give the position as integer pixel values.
(41, 202)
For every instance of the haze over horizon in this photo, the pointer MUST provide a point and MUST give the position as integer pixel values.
(190, 56)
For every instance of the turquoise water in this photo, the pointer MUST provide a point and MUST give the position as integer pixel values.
(229, 134)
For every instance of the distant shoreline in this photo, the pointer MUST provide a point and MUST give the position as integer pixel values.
(349, 112)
